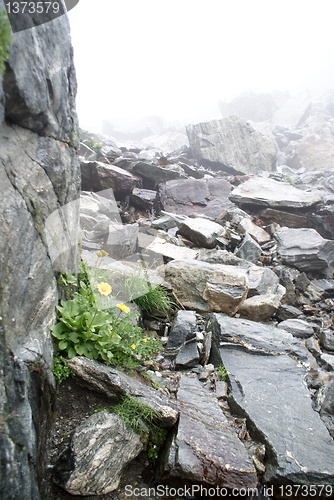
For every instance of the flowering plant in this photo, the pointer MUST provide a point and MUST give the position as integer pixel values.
(91, 327)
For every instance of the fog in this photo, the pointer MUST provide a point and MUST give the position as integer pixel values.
(176, 59)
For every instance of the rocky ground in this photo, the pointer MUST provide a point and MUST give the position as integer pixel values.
(240, 227)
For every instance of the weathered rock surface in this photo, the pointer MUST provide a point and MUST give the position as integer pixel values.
(122, 240)
(207, 287)
(254, 337)
(201, 232)
(114, 383)
(257, 233)
(249, 249)
(205, 196)
(305, 249)
(268, 192)
(231, 144)
(211, 453)
(40, 87)
(298, 328)
(39, 177)
(183, 328)
(98, 453)
(98, 176)
(278, 408)
(158, 173)
(260, 307)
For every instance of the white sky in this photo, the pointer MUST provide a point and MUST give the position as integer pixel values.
(176, 58)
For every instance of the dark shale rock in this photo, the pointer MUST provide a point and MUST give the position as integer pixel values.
(248, 249)
(114, 383)
(205, 196)
(270, 392)
(183, 328)
(298, 328)
(254, 337)
(231, 144)
(209, 453)
(98, 453)
(97, 176)
(158, 173)
(188, 356)
(268, 389)
(306, 250)
(144, 198)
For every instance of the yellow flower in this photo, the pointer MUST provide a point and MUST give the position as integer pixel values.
(123, 308)
(133, 346)
(102, 253)
(145, 339)
(104, 288)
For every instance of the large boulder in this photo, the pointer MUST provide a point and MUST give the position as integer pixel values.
(207, 287)
(231, 144)
(305, 249)
(203, 196)
(267, 387)
(270, 193)
(98, 176)
(297, 451)
(96, 456)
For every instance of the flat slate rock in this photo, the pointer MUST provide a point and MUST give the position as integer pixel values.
(254, 337)
(270, 193)
(206, 448)
(270, 391)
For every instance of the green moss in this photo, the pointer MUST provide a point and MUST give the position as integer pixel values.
(5, 38)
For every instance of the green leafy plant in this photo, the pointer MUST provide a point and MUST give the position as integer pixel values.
(140, 418)
(5, 38)
(222, 373)
(92, 144)
(90, 325)
(60, 369)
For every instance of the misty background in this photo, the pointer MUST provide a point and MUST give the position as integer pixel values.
(172, 62)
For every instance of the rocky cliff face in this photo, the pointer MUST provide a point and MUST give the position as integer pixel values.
(38, 175)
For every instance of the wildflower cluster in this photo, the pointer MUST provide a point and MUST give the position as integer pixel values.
(90, 325)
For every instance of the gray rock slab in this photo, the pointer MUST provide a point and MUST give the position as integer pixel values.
(260, 235)
(233, 145)
(98, 452)
(261, 281)
(204, 196)
(188, 356)
(254, 337)
(249, 249)
(98, 176)
(183, 328)
(268, 192)
(158, 173)
(298, 328)
(206, 449)
(113, 383)
(271, 393)
(201, 232)
(305, 249)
